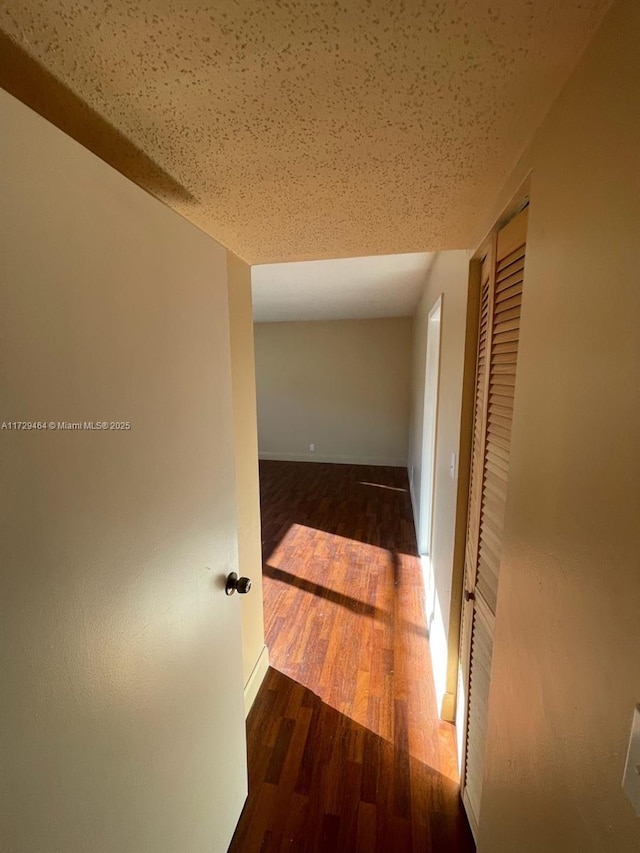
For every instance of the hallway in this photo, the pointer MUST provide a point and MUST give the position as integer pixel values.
(346, 752)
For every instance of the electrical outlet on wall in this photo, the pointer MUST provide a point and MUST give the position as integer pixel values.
(312, 448)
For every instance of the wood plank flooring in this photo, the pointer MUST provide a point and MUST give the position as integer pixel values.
(346, 751)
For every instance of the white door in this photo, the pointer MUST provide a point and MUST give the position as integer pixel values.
(122, 697)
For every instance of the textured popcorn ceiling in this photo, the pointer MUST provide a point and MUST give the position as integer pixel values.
(339, 289)
(291, 130)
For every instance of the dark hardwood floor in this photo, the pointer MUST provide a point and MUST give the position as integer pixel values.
(346, 751)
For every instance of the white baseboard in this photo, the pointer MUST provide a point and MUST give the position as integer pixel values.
(255, 679)
(414, 507)
(448, 708)
(438, 642)
(387, 462)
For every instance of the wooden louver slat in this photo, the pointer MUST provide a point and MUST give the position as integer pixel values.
(476, 456)
(502, 380)
(480, 676)
(501, 303)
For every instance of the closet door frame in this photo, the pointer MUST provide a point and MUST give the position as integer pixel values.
(474, 608)
(488, 258)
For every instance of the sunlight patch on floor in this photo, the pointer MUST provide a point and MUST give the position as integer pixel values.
(326, 544)
(366, 590)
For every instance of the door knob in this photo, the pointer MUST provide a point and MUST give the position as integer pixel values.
(242, 585)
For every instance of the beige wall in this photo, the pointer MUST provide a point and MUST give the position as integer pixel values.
(342, 385)
(566, 666)
(447, 276)
(122, 695)
(255, 658)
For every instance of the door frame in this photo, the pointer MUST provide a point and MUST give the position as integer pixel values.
(430, 420)
(451, 712)
(469, 605)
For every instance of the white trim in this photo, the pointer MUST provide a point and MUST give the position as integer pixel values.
(255, 680)
(414, 507)
(339, 460)
(431, 404)
(473, 824)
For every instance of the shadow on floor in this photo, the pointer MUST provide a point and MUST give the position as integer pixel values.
(364, 503)
(353, 604)
(321, 783)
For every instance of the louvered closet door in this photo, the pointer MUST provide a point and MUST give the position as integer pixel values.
(500, 306)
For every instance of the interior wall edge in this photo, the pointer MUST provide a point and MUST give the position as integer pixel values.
(254, 682)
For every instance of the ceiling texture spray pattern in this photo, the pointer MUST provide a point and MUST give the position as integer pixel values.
(303, 129)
